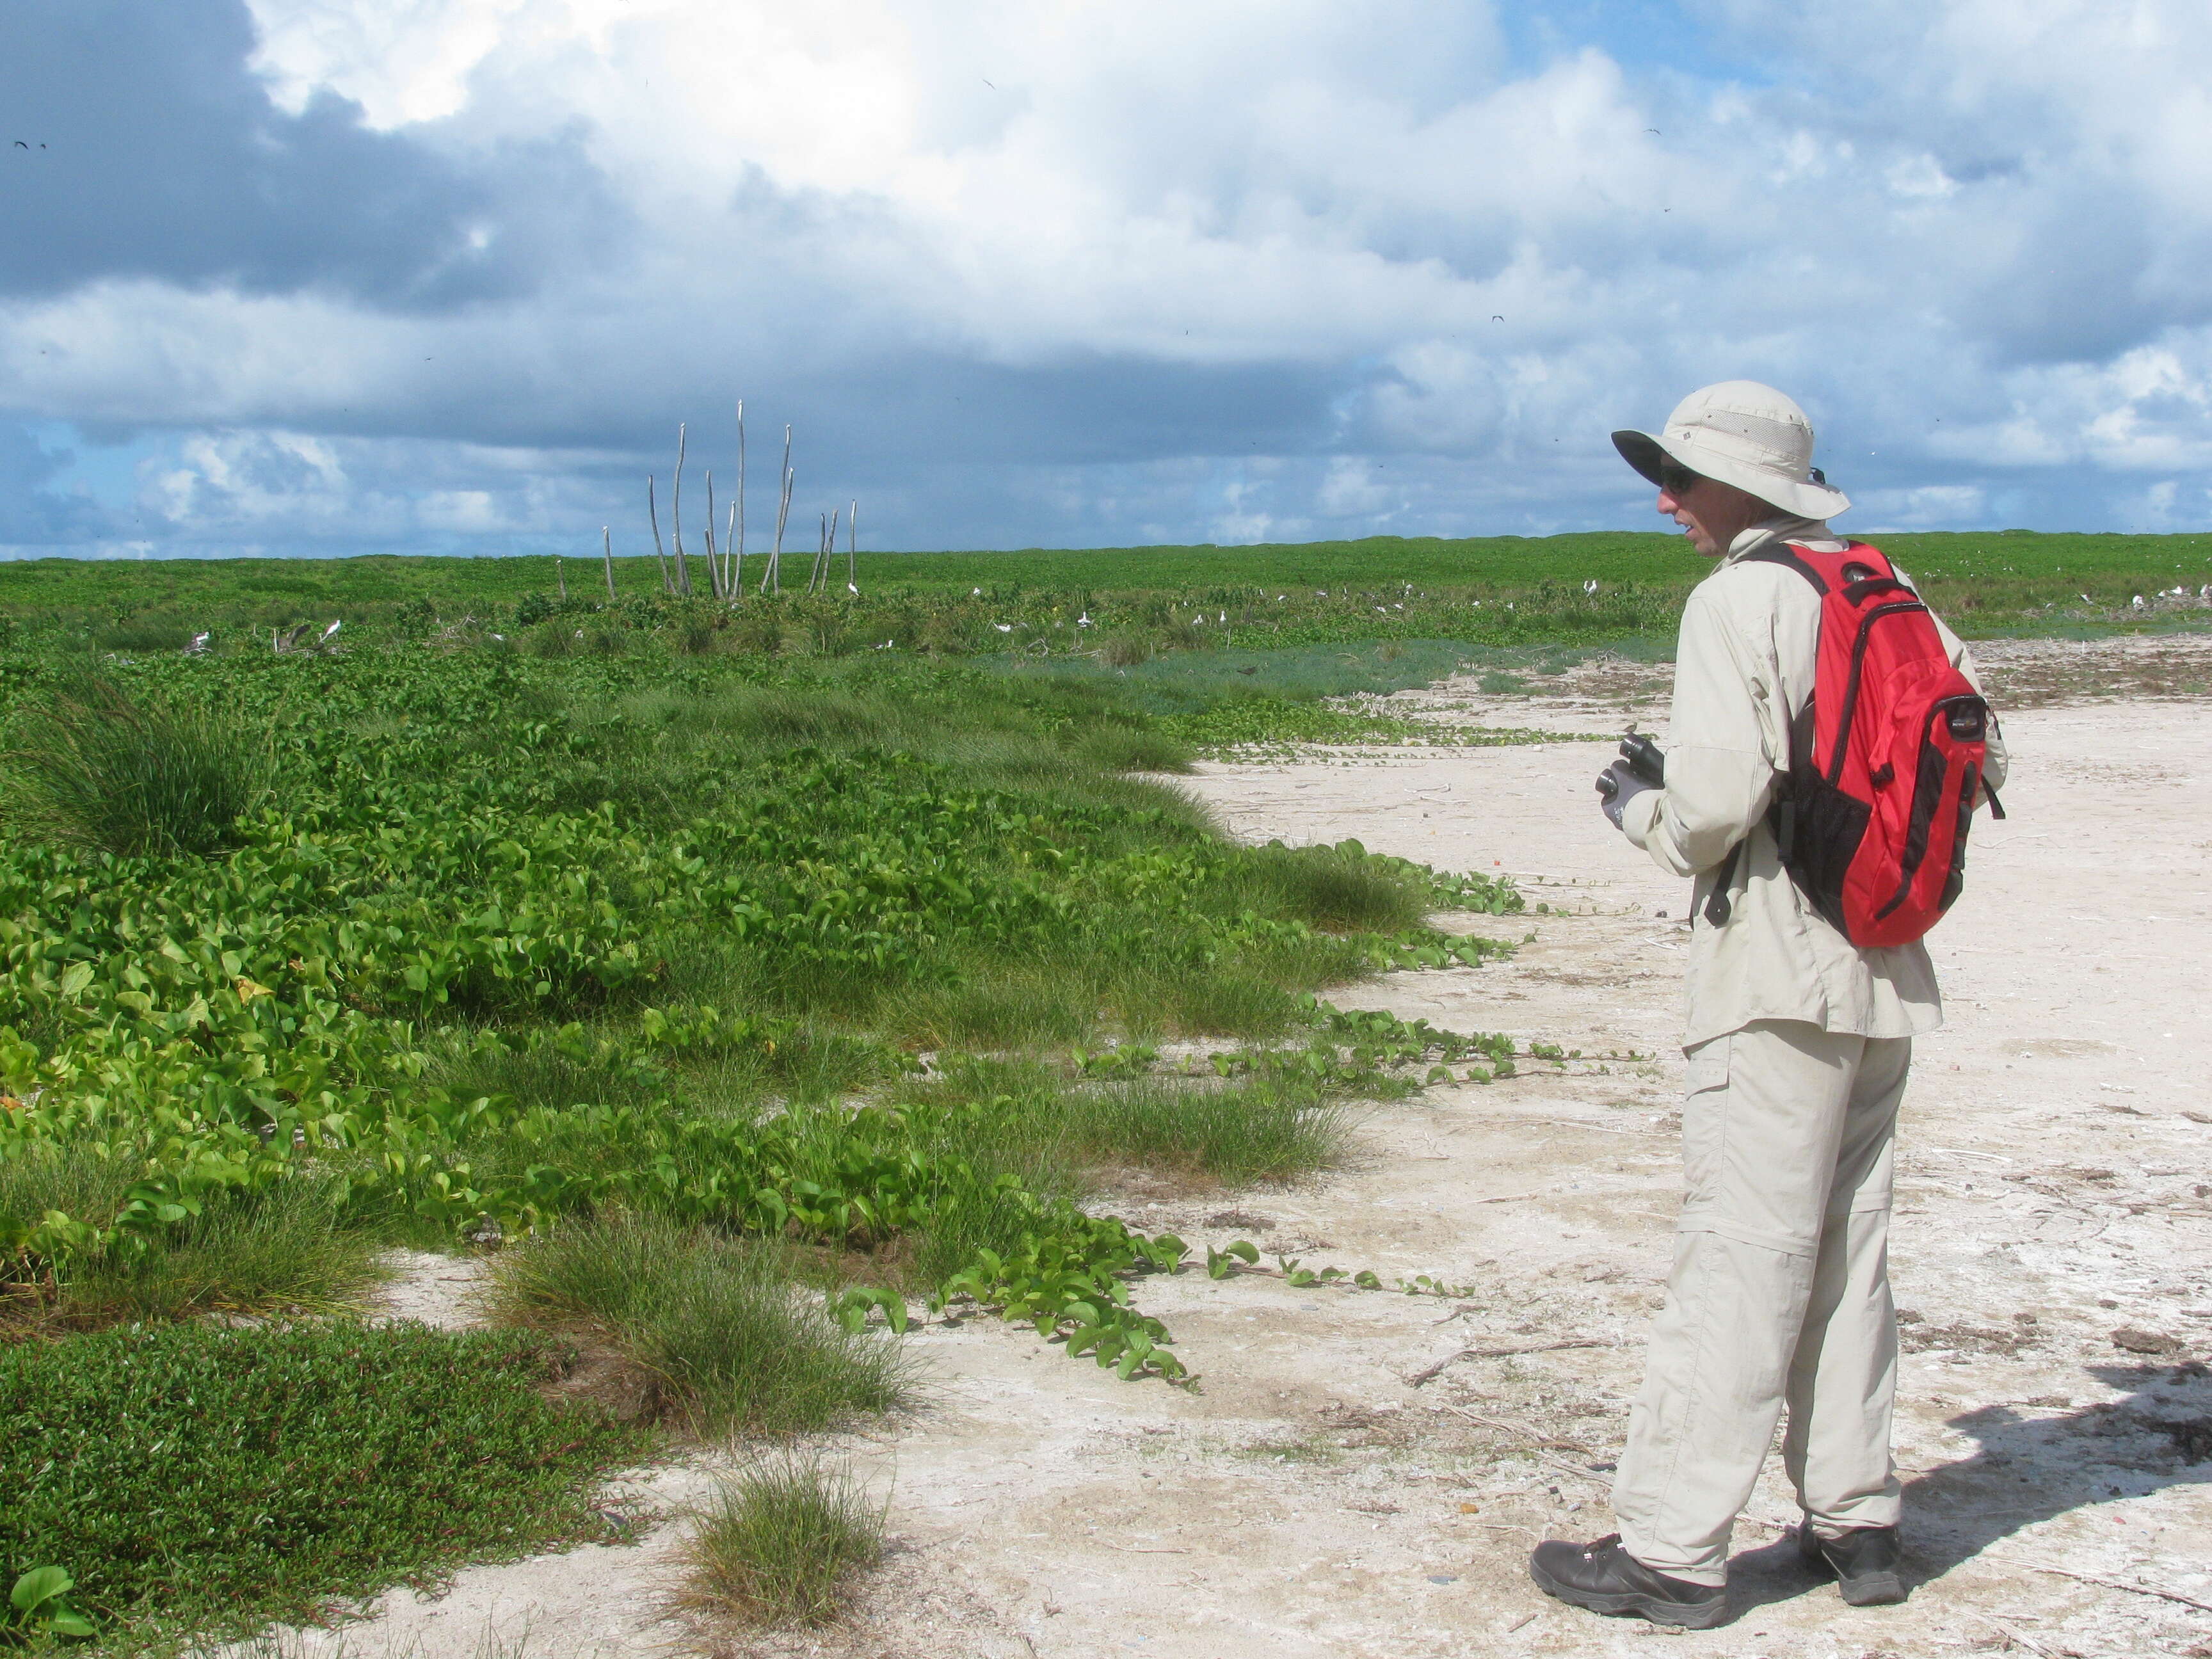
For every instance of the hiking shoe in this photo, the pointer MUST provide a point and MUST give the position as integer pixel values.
(1862, 1561)
(1605, 1578)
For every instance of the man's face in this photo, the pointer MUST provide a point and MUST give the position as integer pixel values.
(1712, 514)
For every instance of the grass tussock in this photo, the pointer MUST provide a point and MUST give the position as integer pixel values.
(1064, 1134)
(132, 776)
(1340, 888)
(279, 1249)
(781, 1543)
(726, 1341)
(1230, 1135)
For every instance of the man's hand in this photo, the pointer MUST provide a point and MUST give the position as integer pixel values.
(1618, 785)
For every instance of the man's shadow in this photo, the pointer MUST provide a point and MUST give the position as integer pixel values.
(2032, 1464)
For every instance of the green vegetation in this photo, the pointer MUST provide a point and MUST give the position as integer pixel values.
(39, 1609)
(745, 1000)
(525, 940)
(98, 768)
(1123, 606)
(724, 1340)
(747, 978)
(781, 1544)
(279, 1247)
(229, 1477)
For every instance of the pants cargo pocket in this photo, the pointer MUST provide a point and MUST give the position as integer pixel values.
(1704, 1118)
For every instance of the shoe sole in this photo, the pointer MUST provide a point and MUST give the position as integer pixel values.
(1687, 1616)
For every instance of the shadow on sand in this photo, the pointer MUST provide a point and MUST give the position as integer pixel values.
(2035, 1461)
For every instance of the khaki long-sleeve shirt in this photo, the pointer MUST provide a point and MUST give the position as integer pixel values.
(1743, 668)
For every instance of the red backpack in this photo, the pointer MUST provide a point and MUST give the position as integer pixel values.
(1886, 762)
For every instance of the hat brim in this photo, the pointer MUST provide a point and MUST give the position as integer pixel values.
(1647, 452)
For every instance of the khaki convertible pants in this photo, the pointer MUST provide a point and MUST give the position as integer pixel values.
(1780, 1294)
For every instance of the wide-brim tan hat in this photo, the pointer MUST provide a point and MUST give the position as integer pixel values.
(1742, 434)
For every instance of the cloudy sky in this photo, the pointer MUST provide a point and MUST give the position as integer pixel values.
(299, 276)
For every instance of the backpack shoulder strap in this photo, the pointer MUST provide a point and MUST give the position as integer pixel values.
(1782, 811)
(1790, 556)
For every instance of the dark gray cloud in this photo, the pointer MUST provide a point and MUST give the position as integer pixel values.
(140, 144)
(33, 514)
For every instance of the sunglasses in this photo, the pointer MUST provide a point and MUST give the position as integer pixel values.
(1677, 480)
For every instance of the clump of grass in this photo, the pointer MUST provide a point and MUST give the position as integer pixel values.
(1013, 1006)
(725, 1340)
(98, 767)
(782, 717)
(490, 1644)
(1127, 749)
(1341, 888)
(551, 638)
(1259, 1130)
(781, 1544)
(143, 634)
(282, 1249)
(1127, 651)
(1223, 1001)
(1027, 1117)
(540, 1074)
(274, 1249)
(193, 1476)
(69, 1176)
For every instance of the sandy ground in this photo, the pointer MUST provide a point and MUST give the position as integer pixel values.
(1311, 1499)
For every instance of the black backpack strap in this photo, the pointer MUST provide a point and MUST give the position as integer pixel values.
(1782, 814)
(1783, 554)
(1717, 908)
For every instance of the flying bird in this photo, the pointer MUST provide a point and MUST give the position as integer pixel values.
(1495, 318)
(20, 144)
(1654, 133)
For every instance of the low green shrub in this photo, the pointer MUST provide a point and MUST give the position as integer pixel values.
(191, 1475)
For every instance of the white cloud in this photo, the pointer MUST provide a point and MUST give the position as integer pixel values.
(1920, 177)
(1059, 271)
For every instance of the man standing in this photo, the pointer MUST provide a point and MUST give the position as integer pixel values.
(1798, 1044)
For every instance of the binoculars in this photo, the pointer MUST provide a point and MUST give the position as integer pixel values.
(1644, 758)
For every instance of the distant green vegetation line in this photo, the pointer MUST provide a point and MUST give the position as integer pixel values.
(1502, 590)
